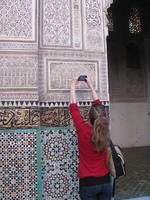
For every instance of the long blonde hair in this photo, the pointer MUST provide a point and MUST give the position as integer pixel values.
(100, 132)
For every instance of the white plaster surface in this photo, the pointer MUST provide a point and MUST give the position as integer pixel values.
(130, 124)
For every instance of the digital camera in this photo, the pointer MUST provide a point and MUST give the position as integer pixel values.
(82, 78)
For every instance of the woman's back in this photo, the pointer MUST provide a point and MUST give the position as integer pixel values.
(91, 162)
(93, 173)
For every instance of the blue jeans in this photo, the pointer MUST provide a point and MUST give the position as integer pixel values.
(96, 192)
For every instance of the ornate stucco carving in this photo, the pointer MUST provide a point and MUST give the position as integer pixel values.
(106, 5)
(61, 24)
(93, 25)
(18, 24)
(16, 19)
(70, 31)
(59, 73)
(18, 77)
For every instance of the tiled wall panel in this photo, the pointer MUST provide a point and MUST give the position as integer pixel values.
(18, 160)
(59, 164)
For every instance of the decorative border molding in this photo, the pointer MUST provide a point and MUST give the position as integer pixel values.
(45, 104)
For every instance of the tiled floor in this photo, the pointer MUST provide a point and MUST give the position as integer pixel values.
(136, 184)
(141, 198)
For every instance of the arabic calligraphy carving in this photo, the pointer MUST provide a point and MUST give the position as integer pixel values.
(59, 117)
(11, 118)
(19, 118)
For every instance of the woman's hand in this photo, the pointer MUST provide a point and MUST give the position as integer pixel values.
(94, 94)
(74, 81)
(72, 91)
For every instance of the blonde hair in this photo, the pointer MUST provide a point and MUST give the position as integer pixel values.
(100, 132)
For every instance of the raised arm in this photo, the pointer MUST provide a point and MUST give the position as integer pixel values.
(72, 91)
(94, 94)
(74, 110)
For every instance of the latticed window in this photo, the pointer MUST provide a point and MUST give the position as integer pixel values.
(134, 21)
(110, 19)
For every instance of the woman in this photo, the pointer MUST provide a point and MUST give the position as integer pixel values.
(93, 173)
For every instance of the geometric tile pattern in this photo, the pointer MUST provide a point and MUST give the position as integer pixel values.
(42, 164)
(141, 198)
(18, 170)
(59, 164)
(136, 183)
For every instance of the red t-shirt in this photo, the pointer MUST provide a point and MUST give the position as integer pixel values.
(91, 163)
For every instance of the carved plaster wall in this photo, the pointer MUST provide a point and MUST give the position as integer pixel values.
(18, 76)
(18, 50)
(18, 24)
(58, 73)
(69, 37)
(61, 24)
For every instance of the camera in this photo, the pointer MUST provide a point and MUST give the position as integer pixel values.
(82, 78)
